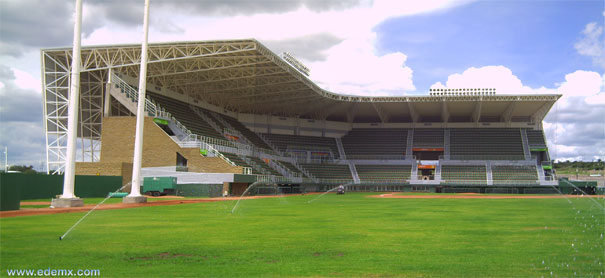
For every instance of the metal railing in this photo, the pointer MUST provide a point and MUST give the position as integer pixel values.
(283, 169)
(273, 147)
(376, 157)
(133, 94)
(483, 157)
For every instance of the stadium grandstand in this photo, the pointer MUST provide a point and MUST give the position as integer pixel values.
(220, 110)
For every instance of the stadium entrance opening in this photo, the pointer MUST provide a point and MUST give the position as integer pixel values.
(428, 159)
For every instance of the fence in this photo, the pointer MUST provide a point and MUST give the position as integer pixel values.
(34, 186)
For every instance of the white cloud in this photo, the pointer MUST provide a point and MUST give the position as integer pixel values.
(25, 80)
(499, 77)
(581, 83)
(574, 128)
(592, 44)
(350, 67)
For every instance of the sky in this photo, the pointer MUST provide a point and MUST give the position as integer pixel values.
(360, 47)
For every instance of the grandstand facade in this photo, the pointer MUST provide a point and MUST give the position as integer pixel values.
(236, 107)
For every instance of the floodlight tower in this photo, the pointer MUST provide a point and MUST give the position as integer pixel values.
(68, 198)
(135, 188)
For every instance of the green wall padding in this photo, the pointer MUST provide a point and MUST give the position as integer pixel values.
(199, 190)
(36, 186)
(10, 195)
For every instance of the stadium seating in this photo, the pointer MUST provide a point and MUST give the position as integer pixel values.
(535, 138)
(292, 142)
(514, 174)
(213, 117)
(184, 114)
(268, 169)
(289, 166)
(329, 171)
(486, 144)
(463, 174)
(428, 138)
(384, 173)
(383, 143)
(249, 134)
(372, 143)
(236, 159)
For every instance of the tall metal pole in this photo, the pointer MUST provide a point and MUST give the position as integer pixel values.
(72, 117)
(135, 191)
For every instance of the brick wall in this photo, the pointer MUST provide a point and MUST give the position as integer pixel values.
(158, 148)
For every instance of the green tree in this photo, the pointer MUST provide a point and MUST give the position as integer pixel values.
(23, 169)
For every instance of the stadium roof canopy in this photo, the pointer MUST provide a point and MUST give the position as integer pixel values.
(245, 76)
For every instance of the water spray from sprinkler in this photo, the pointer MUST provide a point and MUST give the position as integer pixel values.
(78, 222)
(242, 196)
(335, 188)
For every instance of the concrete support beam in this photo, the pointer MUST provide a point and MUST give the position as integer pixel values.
(68, 199)
(445, 113)
(477, 112)
(384, 117)
(413, 112)
(351, 112)
(508, 113)
(137, 180)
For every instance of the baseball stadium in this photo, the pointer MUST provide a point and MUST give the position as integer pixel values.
(252, 169)
(237, 108)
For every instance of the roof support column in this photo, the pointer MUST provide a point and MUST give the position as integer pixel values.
(351, 113)
(508, 113)
(445, 113)
(539, 115)
(135, 189)
(384, 117)
(413, 112)
(68, 199)
(477, 112)
(107, 108)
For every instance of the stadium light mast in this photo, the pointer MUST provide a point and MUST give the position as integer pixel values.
(68, 199)
(135, 188)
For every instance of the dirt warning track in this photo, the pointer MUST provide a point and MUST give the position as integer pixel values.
(394, 195)
(40, 211)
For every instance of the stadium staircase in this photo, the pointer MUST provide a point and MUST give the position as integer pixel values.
(414, 172)
(489, 173)
(124, 93)
(524, 140)
(129, 96)
(343, 156)
(446, 144)
(409, 144)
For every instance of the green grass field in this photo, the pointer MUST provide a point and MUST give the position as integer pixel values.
(335, 236)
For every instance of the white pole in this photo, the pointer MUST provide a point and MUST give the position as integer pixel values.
(107, 108)
(135, 190)
(72, 117)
